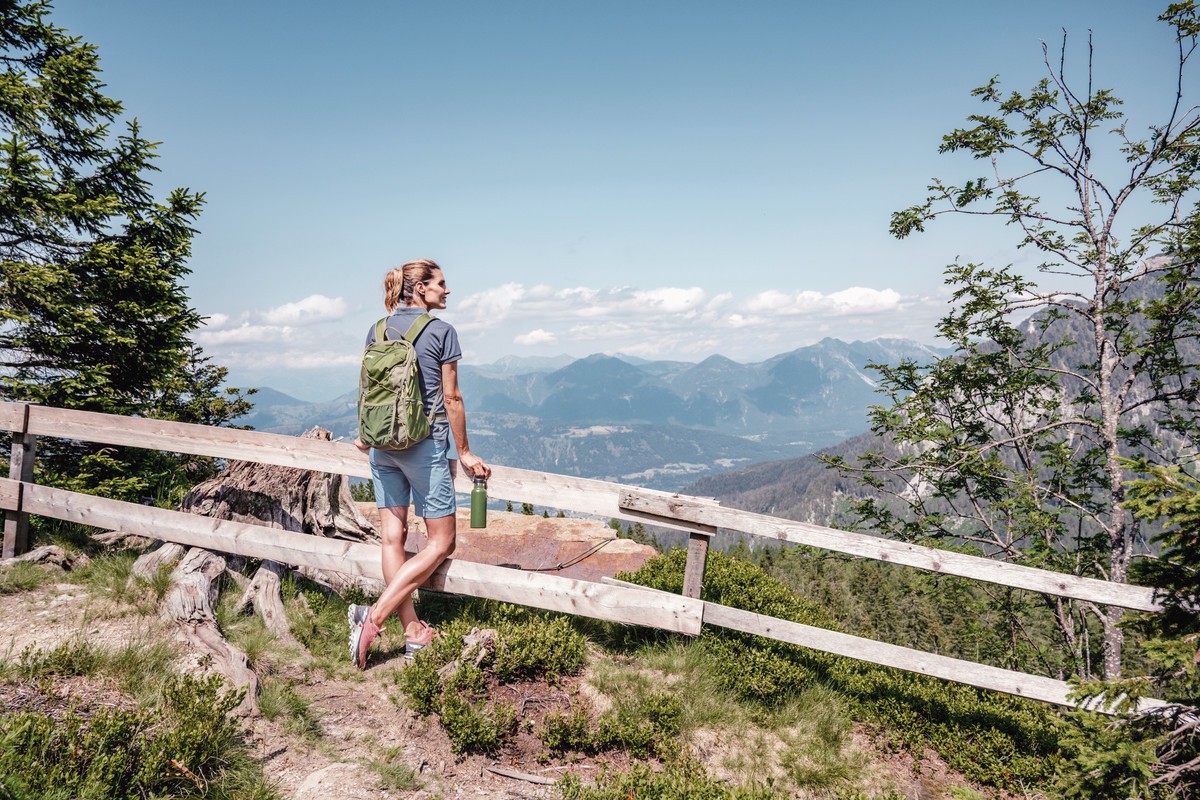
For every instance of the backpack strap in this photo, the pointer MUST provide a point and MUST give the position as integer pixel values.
(417, 327)
(414, 330)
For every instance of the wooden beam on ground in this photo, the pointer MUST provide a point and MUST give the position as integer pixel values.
(666, 505)
(1020, 684)
(550, 592)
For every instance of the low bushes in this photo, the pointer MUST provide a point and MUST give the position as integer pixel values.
(529, 646)
(186, 747)
(991, 738)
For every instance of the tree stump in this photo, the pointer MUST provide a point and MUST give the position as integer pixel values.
(305, 501)
(283, 497)
(191, 604)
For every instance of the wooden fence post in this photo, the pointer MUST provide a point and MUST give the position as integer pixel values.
(24, 451)
(697, 557)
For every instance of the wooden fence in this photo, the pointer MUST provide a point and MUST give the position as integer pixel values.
(610, 600)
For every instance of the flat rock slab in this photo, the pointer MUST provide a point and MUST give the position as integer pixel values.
(583, 549)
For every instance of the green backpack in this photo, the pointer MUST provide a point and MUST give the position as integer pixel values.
(391, 412)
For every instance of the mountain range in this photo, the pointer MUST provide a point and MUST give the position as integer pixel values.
(804, 489)
(652, 423)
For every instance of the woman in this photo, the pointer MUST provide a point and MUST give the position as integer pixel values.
(422, 473)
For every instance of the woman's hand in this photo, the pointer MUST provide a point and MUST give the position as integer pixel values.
(360, 444)
(473, 464)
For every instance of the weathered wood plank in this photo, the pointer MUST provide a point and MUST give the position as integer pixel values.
(480, 580)
(983, 676)
(583, 598)
(202, 440)
(582, 495)
(1140, 598)
(9, 493)
(1034, 687)
(12, 417)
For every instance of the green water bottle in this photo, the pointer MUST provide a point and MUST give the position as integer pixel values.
(479, 503)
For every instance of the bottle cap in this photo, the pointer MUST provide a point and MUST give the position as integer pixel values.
(480, 480)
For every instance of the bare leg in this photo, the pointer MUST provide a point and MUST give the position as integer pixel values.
(394, 522)
(416, 570)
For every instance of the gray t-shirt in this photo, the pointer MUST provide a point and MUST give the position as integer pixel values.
(437, 345)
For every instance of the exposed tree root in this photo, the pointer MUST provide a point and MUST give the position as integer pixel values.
(190, 604)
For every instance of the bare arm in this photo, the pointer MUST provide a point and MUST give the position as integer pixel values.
(457, 414)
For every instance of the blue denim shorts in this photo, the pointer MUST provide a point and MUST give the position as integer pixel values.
(419, 475)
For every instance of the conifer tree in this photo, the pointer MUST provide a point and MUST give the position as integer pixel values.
(93, 311)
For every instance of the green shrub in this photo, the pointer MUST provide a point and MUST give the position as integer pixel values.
(563, 732)
(991, 738)
(645, 726)
(77, 657)
(188, 746)
(540, 645)
(529, 645)
(476, 728)
(422, 685)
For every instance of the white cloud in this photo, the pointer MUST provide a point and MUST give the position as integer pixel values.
(670, 300)
(486, 309)
(314, 308)
(538, 336)
(738, 321)
(290, 359)
(216, 321)
(855, 300)
(243, 334)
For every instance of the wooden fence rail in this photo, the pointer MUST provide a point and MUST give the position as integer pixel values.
(654, 506)
(551, 592)
(609, 601)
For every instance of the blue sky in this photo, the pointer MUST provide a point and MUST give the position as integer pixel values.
(665, 179)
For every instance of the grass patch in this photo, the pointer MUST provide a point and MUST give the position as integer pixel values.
(395, 775)
(318, 621)
(279, 702)
(23, 576)
(110, 576)
(802, 744)
(140, 669)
